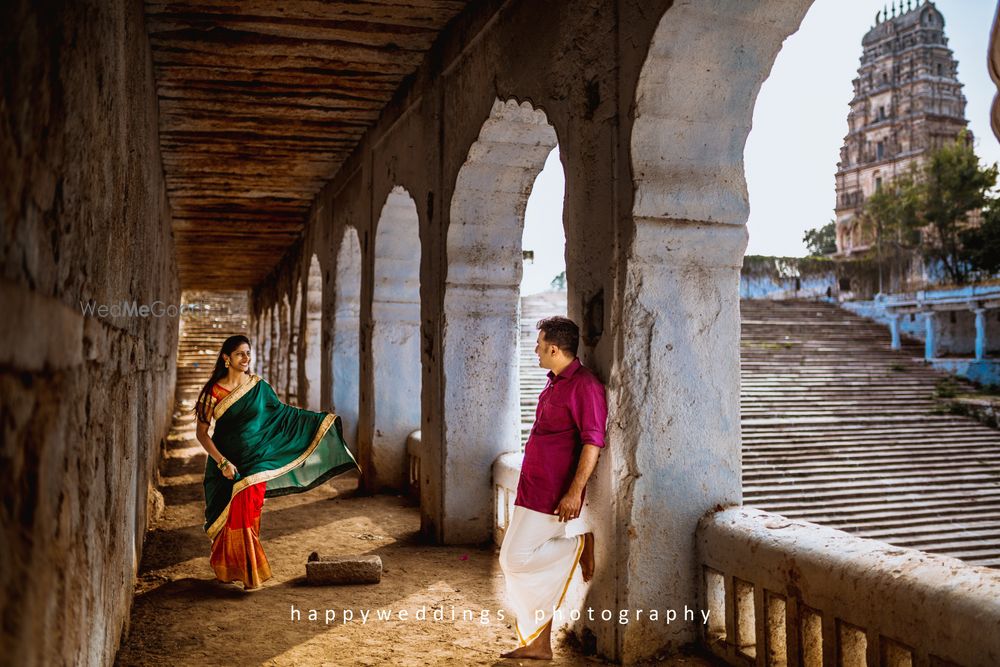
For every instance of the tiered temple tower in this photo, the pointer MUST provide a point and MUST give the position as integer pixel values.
(907, 100)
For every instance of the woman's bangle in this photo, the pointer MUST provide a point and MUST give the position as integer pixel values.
(223, 463)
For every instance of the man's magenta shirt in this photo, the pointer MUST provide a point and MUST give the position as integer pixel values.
(572, 412)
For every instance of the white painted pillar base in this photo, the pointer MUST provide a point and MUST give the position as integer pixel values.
(930, 340)
(894, 330)
(482, 415)
(980, 334)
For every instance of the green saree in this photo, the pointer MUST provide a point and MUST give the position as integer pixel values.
(291, 449)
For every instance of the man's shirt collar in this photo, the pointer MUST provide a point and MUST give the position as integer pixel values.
(567, 373)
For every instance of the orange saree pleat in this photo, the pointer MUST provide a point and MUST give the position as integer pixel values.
(237, 554)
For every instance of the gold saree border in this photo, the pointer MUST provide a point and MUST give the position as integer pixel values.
(572, 570)
(265, 475)
(236, 394)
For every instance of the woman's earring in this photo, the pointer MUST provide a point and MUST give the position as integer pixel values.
(227, 363)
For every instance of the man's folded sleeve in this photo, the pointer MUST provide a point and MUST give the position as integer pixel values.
(590, 412)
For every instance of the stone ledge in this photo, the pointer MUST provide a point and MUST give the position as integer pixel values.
(936, 605)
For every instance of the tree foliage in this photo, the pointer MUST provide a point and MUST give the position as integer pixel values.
(981, 245)
(928, 208)
(822, 240)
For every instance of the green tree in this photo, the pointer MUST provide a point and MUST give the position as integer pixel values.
(890, 216)
(981, 245)
(822, 240)
(952, 185)
(928, 208)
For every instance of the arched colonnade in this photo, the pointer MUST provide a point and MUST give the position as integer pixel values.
(411, 262)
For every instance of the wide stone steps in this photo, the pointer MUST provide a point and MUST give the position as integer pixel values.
(841, 430)
(202, 331)
(533, 379)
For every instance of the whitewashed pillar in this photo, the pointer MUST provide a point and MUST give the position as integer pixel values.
(930, 341)
(894, 329)
(980, 333)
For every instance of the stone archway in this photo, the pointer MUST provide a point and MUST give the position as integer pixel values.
(272, 348)
(395, 339)
(346, 333)
(313, 332)
(675, 425)
(284, 336)
(481, 306)
(260, 344)
(295, 330)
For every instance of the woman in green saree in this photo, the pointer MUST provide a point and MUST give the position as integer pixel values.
(260, 448)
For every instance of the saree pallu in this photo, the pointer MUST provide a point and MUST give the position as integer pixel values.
(538, 562)
(278, 449)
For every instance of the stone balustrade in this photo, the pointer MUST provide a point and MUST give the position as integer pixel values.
(783, 592)
(977, 299)
(506, 470)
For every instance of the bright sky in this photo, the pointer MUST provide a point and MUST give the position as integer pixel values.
(543, 230)
(799, 124)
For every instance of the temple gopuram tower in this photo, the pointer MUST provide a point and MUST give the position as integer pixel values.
(907, 100)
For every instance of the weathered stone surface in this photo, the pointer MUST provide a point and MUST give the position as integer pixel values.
(86, 398)
(326, 570)
(942, 610)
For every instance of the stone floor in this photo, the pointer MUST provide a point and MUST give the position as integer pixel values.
(182, 617)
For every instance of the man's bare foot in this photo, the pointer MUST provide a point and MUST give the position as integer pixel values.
(530, 652)
(587, 557)
(540, 649)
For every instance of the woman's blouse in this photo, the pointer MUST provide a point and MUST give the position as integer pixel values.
(217, 393)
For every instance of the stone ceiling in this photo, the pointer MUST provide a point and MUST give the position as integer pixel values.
(260, 103)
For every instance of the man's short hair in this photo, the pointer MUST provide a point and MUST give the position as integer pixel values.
(561, 332)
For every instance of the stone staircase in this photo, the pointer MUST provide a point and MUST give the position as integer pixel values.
(841, 430)
(533, 378)
(209, 318)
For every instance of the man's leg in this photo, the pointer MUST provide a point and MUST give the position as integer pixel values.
(537, 561)
(587, 557)
(539, 649)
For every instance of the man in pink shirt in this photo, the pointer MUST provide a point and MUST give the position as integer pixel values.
(537, 558)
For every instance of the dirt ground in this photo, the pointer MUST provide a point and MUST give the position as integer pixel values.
(182, 616)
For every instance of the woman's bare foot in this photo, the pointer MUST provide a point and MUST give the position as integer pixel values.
(587, 557)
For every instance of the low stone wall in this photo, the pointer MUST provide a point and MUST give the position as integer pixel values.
(87, 397)
(984, 372)
(766, 277)
(783, 592)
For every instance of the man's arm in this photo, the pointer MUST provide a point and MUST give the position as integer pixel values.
(570, 505)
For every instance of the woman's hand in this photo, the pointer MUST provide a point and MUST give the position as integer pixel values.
(229, 470)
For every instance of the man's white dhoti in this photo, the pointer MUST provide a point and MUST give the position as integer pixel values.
(538, 561)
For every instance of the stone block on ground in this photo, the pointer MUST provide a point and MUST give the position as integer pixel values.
(326, 570)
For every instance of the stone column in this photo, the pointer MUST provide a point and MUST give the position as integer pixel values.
(674, 389)
(980, 333)
(894, 330)
(930, 342)
(675, 426)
